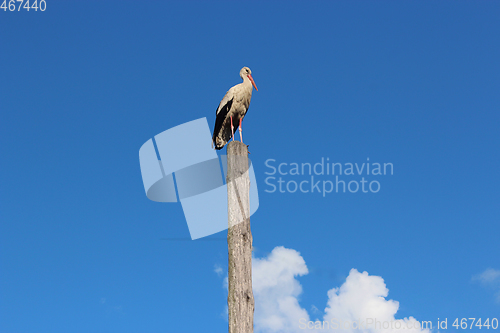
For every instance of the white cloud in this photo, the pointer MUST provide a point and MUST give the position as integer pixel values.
(276, 291)
(218, 270)
(314, 309)
(361, 301)
(362, 296)
(490, 278)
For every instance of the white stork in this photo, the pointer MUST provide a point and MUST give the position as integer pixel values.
(232, 109)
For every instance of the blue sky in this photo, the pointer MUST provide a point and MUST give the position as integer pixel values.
(85, 84)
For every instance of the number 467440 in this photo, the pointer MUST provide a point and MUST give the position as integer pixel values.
(35, 5)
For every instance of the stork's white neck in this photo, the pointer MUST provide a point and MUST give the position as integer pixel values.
(246, 81)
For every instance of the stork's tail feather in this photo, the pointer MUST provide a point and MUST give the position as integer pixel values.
(219, 143)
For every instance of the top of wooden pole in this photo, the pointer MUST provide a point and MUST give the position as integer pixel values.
(238, 182)
(237, 148)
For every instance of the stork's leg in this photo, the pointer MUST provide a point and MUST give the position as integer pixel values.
(232, 128)
(241, 135)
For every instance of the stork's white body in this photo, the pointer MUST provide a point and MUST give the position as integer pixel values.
(233, 106)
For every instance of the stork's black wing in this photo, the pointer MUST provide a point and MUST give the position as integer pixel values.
(221, 116)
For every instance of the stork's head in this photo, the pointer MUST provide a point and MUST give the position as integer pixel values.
(246, 72)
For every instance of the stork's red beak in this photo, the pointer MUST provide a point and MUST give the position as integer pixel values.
(253, 82)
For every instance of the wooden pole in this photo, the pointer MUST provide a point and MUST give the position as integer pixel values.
(240, 299)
